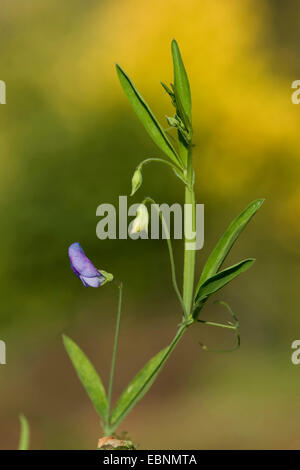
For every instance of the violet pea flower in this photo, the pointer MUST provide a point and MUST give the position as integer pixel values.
(82, 266)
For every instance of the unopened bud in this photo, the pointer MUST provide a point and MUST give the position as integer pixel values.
(136, 181)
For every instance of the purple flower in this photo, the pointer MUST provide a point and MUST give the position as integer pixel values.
(84, 268)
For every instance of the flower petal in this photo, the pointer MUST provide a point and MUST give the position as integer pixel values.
(92, 281)
(80, 263)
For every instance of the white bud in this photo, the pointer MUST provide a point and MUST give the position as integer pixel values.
(140, 223)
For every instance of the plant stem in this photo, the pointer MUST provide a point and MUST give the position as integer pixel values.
(177, 170)
(189, 254)
(152, 377)
(114, 355)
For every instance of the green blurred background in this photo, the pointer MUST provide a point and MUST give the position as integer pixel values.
(70, 141)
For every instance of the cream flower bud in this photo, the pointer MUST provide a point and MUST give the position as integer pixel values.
(140, 223)
(136, 181)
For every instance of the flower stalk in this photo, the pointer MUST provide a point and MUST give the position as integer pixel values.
(107, 431)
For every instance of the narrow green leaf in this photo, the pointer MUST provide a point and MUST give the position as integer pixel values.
(87, 376)
(225, 243)
(25, 433)
(147, 117)
(181, 83)
(219, 280)
(139, 386)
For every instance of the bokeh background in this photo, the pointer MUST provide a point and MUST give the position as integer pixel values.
(70, 141)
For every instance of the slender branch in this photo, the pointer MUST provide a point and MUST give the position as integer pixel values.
(171, 255)
(156, 159)
(114, 355)
(229, 325)
(177, 170)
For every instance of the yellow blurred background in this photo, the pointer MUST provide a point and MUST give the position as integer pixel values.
(70, 141)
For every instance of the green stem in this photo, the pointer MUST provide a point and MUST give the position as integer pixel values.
(114, 355)
(189, 255)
